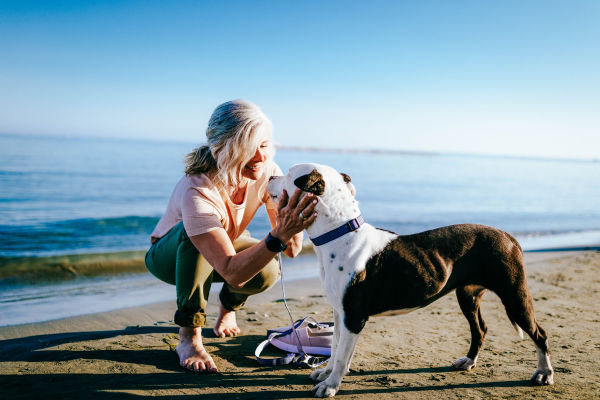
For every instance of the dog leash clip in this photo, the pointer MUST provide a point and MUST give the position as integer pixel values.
(305, 361)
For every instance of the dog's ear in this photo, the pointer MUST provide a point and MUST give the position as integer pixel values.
(312, 183)
(348, 182)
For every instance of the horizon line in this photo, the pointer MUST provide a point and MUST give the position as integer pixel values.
(307, 149)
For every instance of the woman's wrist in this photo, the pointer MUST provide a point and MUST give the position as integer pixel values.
(274, 244)
(277, 233)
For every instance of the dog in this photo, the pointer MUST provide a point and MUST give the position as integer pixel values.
(367, 271)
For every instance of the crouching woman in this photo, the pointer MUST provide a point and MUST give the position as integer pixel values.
(201, 237)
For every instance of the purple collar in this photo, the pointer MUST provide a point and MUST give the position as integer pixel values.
(348, 227)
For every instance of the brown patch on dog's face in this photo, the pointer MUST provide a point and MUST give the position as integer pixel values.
(312, 183)
(346, 177)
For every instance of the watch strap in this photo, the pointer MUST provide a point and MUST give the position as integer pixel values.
(274, 244)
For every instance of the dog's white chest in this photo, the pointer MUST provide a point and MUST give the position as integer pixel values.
(336, 272)
(342, 259)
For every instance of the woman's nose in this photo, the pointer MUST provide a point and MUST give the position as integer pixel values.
(260, 155)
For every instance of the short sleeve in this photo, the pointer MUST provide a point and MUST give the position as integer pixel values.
(198, 214)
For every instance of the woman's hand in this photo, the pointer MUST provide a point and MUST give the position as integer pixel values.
(294, 214)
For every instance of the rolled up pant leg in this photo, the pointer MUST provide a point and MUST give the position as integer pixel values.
(174, 259)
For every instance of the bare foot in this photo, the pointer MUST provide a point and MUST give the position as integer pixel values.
(192, 354)
(226, 324)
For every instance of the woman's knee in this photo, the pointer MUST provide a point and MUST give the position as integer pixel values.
(271, 273)
(265, 279)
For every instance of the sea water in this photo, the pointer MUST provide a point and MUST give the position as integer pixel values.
(81, 195)
(87, 195)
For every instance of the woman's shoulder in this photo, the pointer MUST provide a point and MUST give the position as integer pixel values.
(194, 185)
(199, 181)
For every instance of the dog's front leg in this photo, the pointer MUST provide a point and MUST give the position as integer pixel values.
(321, 374)
(340, 362)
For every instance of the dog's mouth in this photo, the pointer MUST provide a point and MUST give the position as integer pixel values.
(271, 187)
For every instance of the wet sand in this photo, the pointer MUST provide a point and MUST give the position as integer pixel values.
(130, 353)
(52, 269)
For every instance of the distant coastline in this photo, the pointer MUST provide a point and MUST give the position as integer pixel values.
(278, 146)
(417, 153)
(357, 151)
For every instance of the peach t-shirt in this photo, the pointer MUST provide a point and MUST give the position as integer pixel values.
(198, 203)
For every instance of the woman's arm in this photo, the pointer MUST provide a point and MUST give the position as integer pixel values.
(237, 269)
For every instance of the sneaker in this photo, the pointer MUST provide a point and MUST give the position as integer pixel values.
(315, 338)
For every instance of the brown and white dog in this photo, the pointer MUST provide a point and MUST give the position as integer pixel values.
(367, 271)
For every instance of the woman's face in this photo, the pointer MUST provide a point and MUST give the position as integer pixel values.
(255, 167)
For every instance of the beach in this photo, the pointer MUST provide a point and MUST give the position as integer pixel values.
(129, 353)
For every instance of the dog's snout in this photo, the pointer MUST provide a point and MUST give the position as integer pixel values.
(271, 178)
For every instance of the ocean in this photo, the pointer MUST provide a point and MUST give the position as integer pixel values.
(76, 196)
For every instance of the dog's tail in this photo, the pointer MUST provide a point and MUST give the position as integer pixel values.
(517, 328)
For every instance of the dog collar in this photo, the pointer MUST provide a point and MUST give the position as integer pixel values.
(348, 227)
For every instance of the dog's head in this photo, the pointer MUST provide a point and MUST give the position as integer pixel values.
(334, 189)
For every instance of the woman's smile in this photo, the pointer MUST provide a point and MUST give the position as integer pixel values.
(253, 170)
(255, 167)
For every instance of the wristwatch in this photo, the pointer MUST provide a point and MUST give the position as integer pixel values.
(274, 244)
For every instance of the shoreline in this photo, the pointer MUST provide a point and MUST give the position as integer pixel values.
(51, 269)
(130, 352)
(37, 303)
(69, 286)
(60, 268)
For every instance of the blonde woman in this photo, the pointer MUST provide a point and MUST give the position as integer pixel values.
(201, 237)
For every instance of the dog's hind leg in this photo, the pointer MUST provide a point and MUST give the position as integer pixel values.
(468, 299)
(520, 310)
(519, 306)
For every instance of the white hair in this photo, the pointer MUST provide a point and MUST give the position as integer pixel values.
(233, 134)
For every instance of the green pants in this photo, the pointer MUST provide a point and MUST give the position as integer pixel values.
(174, 259)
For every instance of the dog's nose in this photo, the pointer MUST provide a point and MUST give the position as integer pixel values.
(271, 178)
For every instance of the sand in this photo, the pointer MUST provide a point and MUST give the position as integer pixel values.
(130, 353)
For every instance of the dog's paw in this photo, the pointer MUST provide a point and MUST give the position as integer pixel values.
(327, 388)
(464, 364)
(543, 377)
(320, 375)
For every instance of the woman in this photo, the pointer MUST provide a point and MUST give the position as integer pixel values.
(201, 237)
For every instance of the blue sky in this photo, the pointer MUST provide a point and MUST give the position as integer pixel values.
(511, 77)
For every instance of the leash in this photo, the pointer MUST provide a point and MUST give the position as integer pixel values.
(303, 355)
(302, 359)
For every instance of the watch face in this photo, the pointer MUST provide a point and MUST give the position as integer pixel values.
(274, 244)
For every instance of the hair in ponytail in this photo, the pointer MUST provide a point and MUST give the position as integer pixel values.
(199, 161)
(233, 135)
